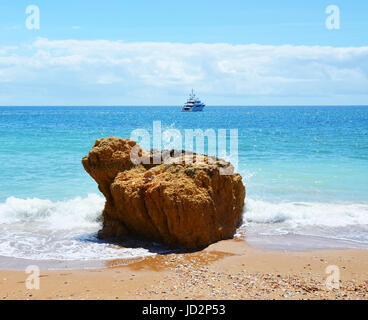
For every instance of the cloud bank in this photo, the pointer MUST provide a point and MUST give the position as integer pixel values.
(76, 72)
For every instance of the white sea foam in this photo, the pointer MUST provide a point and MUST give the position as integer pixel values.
(65, 230)
(307, 213)
(75, 213)
(343, 225)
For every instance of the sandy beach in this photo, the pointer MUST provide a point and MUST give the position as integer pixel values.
(183, 150)
(225, 270)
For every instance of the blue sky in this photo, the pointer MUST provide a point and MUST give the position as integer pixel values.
(131, 52)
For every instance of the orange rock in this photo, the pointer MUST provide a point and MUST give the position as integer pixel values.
(182, 204)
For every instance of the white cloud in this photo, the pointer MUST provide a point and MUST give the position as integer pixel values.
(114, 72)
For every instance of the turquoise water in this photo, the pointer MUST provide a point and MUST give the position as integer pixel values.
(305, 169)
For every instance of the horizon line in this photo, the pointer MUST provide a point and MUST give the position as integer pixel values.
(179, 106)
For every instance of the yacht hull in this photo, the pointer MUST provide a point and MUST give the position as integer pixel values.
(193, 109)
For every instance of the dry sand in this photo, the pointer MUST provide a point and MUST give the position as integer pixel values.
(226, 270)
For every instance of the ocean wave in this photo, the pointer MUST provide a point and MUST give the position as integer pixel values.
(66, 230)
(85, 212)
(306, 213)
(75, 213)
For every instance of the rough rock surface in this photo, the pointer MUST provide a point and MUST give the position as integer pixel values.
(182, 204)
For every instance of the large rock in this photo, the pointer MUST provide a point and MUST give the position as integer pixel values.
(182, 204)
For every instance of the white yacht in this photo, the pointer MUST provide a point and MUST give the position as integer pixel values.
(193, 104)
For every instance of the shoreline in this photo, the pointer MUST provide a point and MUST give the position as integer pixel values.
(268, 243)
(229, 269)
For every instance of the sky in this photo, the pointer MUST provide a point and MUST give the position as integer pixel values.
(144, 52)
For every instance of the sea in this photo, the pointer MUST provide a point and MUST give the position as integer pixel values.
(305, 170)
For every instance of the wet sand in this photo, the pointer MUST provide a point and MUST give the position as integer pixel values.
(226, 270)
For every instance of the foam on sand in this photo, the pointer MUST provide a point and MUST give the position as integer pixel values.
(66, 230)
(39, 229)
(305, 225)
